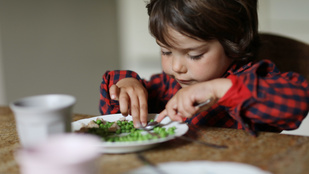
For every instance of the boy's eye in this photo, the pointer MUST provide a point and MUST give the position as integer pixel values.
(166, 53)
(196, 57)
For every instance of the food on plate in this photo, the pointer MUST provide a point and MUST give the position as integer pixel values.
(123, 130)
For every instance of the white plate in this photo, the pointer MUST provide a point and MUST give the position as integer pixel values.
(126, 147)
(201, 167)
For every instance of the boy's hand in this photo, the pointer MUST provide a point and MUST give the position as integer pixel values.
(132, 97)
(183, 104)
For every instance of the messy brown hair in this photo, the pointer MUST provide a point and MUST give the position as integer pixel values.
(234, 23)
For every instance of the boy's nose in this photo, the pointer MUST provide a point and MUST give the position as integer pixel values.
(178, 65)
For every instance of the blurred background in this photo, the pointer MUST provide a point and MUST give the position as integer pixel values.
(65, 46)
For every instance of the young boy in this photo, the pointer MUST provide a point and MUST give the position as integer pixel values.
(208, 50)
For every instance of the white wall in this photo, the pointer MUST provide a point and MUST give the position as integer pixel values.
(285, 17)
(139, 51)
(58, 46)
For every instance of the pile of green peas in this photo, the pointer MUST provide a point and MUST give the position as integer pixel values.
(132, 134)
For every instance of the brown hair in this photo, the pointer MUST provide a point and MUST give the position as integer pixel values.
(233, 23)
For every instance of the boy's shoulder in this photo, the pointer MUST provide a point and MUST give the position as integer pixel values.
(261, 65)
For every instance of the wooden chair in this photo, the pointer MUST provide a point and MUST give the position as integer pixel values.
(287, 53)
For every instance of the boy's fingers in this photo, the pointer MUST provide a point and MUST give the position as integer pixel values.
(143, 110)
(174, 114)
(134, 108)
(114, 92)
(164, 113)
(161, 116)
(124, 102)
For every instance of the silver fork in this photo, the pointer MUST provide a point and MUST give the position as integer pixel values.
(153, 124)
(200, 105)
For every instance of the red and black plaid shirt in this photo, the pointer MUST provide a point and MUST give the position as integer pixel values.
(261, 98)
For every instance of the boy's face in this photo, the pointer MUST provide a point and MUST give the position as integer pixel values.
(191, 61)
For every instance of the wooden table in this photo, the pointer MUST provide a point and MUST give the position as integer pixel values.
(277, 153)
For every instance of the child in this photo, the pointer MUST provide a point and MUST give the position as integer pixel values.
(208, 49)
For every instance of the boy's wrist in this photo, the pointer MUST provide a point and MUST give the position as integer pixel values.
(236, 94)
(221, 86)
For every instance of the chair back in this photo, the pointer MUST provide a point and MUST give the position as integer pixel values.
(287, 53)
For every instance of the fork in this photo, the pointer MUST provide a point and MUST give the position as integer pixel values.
(153, 124)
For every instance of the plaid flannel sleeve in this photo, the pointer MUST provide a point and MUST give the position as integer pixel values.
(107, 105)
(262, 95)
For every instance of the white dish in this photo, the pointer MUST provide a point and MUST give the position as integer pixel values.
(201, 167)
(126, 147)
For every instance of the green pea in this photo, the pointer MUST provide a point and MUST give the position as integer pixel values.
(118, 131)
(98, 121)
(149, 136)
(171, 130)
(163, 134)
(127, 127)
(109, 124)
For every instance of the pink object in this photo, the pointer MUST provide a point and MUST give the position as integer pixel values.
(61, 154)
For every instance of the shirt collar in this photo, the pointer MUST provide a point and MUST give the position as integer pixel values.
(237, 67)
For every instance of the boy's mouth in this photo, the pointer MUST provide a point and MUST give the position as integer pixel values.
(184, 82)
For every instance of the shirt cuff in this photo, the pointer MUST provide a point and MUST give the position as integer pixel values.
(236, 94)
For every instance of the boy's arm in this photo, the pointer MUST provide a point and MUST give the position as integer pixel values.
(262, 95)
